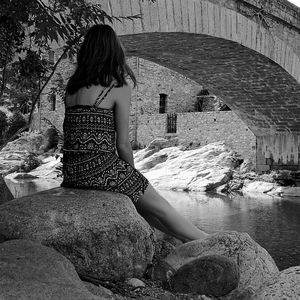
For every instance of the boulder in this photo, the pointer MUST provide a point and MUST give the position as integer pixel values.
(5, 194)
(258, 187)
(246, 166)
(29, 270)
(100, 232)
(202, 169)
(255, 264)
(214, 275)
(285, 285)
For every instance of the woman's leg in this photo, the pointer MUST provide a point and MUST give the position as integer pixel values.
(154, 222)
(153, 204)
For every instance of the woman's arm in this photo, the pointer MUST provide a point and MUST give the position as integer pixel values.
(122, 108)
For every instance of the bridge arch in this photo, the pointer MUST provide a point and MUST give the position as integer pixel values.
(204, 17)
(270, 111)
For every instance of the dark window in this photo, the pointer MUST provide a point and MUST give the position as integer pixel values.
(162, 103)
(52, 100)
(171, 123)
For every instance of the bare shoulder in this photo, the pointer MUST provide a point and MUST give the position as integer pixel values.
(122, 93)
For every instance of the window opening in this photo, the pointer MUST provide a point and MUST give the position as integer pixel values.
(162, 103)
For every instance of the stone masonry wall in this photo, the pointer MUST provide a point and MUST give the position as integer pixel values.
(201, 128)
(154, 79)
(208, 127)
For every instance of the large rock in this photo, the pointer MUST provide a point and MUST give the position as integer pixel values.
(255, 264)
(286, 285)
(5, 194)
(100, 232)
(214, 275)
(202, 169)
(257, 187)
(29, 270)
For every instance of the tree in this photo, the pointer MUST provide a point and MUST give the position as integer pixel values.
(29, 28)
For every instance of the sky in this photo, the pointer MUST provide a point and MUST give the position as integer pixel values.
(296, 2)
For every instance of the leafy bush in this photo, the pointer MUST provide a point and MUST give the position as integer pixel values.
(3, 124)
(3, 120)
(29, 141)
(30, 162)
(4, 116)
(15, 122)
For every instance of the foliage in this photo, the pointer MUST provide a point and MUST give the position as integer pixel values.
(3, 121)
(55, 136)
(29, 29)
(29, 163)
(34, 140)
(3, 124)
(15, 122)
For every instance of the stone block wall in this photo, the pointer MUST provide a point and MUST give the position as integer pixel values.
(201, 128)
(151, 127)
(207, 127)
(154, 79)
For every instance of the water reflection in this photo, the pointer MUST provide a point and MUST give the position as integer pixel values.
(23, 187)
(273, 223)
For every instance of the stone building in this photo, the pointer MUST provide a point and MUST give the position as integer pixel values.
(164, 104)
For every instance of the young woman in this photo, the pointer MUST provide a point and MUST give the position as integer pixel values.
(97, 151)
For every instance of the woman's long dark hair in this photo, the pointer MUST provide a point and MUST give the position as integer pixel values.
(100, 60)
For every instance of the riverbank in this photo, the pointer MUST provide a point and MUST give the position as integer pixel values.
(211, 168)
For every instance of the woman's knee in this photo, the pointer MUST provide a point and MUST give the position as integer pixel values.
(152, 202)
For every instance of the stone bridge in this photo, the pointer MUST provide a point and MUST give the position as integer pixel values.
(245, 51)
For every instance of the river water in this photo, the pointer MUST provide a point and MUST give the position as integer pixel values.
(272, 222)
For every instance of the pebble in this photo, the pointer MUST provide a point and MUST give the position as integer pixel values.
(134, 282)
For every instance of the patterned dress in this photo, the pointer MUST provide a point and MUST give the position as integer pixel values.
(90, 159)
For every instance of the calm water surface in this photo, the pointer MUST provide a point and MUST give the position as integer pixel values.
(272, 222)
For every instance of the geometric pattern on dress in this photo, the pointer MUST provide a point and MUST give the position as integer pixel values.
(90, 159)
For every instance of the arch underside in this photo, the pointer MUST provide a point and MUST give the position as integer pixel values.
(234, 55)
(262, 93)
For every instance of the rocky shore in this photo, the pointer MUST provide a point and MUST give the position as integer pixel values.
(54, 249)
(211, 168)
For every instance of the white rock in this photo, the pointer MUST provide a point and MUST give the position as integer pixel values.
(200, 169)
(258, 187)
(288, 191)
(135, 282)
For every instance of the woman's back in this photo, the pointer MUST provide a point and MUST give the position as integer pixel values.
(88, 96)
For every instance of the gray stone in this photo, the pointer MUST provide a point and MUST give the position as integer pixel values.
(135, 282)
(285, 285)
(255, 264)
(5, 194)
(214, 275)
(29, 270)
(99, 291)
(100, 232)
